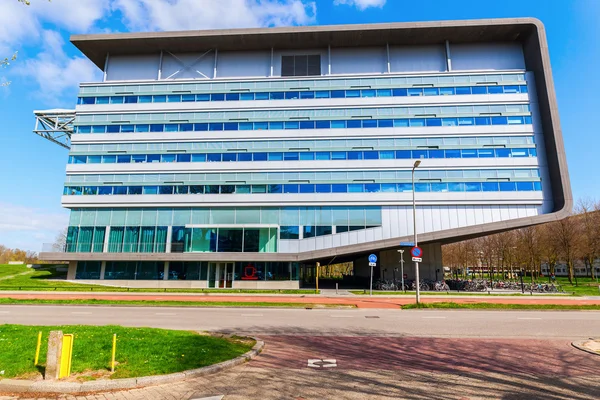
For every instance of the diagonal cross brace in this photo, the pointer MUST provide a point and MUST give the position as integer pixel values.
(186, 67)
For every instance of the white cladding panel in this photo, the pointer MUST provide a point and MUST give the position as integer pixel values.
(243, 64)
(417, 58)
(487, 56)
(359, 61)
(188, 66)
(126, 68)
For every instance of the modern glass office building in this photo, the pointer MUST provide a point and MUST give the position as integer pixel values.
(240, 158)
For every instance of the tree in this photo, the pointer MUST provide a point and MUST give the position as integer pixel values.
(60, 243)
(589, 213)
(568, 242)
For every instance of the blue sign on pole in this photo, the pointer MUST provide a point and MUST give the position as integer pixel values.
(372, 258)
(407, 244)
(416, 252)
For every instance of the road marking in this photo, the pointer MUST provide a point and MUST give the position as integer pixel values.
(371, 316)
(209, 398)
(434, 317)
(80, 312)
(4, 312)
(164, 313)
(529, 318)
(322, 363)
(252, 315)
(341, 316)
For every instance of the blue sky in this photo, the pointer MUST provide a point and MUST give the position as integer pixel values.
(48, 69)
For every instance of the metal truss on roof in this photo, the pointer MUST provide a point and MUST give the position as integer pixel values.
(55, 125)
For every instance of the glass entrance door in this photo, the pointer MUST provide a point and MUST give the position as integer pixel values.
(220, 275)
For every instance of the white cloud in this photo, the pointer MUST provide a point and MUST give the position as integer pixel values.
(361, 4)
(28, 228)
(54, 71)
(169, 15)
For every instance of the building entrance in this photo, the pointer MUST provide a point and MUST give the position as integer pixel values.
(220, 275)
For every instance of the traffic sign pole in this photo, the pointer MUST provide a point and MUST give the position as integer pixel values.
(372, 263)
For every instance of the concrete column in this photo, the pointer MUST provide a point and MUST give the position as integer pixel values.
(72, 270)
(105, 67)
(215, 68)
(166, 271)
(106, 236)
(169, 234)
(53, 356)
(102, 269)
(448, 57)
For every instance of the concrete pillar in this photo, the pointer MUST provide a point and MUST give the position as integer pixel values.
(169, 234)
(53, 356)
(106, 236)
(102, 269)
(72, 270)
(166, 271)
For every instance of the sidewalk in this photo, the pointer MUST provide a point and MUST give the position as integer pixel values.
(358, 301)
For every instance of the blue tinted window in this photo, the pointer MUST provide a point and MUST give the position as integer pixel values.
(307, 188)
(436, 153)
(338, 94)
(232, 96)
(213, 157)
(368, 93)
(245, 126)
(261, 96)
(134, 190)
(388, 187)
(537, 185)
(503, 152)
(468, 153)
(150, 190)
(201, 126)
(532, 152)
(308, 155)
(102, 100)
(168, 158)
(403, 154)
(246, 96)
(371, 155)
(292, 95)
(275, 157)
(217, 97)
(404, 187)
(229, 157)
(117, 100)
(131, 99)
(173, 98)
(386, 154)
(523, 89)
(184, 157)
(165, 189)
(520, 153)
(486, 153)
(463, 90)
(372, 187)
(123, 159)
(203, 97)
(276, 188)
(439, 187)
(431, 91)
(291, 125)
(499, 121)
(338, 155)
(401, 123)
(422, 187)
(307, 124)
(354, 123)
(198, 157)
(169, 128)
(322, 94)
(511, 89)
(385, 123)
(514, 120)
(307, 95)
(182, 189)
(259, 156)
(323, 155)
(524, 186)
(323, 188)
(244, 156)
(355, 155)
(466, 121)
(434, 122)
(489, 186)
(242, 189)
(384, 92)
(186, 127)
(339, 188)
(369, 123)
(104, 190)
(447, 91)
(419, 154)
(109, 159)
(230, 126)
(277, 95)
(215, 126)
(356, 188)
(452, 153)
(507, 187)
(479, 90)
(159, 98)
(352, 93)
(482, 121)
(338, 124)
(495, 89)
(87, 100)
(323, 124)
(417, 122)
(473, 187)
(292, 156)
(142, 128)
(290, 188)
(527, 120)
(456, 187)
(196, 189)
(276, 125)
(151, 158)
(120, 190)
(399, 92)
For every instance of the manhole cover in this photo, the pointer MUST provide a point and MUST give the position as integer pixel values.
(322, 363)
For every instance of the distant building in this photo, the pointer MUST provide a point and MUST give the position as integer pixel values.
(240, 158)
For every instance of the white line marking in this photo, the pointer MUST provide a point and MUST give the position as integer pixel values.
(434, 317)
(4, 312)
(252, 315)
(80, 312)
(164, 313)
(529, 318)
(341, 316)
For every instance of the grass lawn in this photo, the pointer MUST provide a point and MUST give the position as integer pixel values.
(9, 270)
(487, 306)
(140, 351)
(163, 303)
(42, 280)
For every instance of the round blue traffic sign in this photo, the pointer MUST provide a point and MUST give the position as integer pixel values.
(372, 258)
(416, 252)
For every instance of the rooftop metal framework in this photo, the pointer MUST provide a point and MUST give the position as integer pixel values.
(55, 125)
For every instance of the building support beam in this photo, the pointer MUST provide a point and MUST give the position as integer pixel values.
(329, 60)
(271, 71)
(215, 68)
(448, 57)
(160, 63)
(166, 271)
(102, 269)
(387, 50)
(105, 67)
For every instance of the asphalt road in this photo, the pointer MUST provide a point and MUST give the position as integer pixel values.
(352, 322)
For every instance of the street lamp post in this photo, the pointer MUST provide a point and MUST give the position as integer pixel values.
(418, 292)
(402, 267)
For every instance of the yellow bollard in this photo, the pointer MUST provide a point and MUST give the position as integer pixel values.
(114, 351)
(317, 276)
(37, 350)
(66, 356)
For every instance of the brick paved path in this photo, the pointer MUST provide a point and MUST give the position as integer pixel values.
(395, 368)
(360, 302)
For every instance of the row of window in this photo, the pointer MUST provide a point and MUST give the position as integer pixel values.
(295, 95)
(261, 85)
(334, 113)
(502, 186)
(304, 156)
(303, 145)
(188, 271)
(455, 175)
(335, 124)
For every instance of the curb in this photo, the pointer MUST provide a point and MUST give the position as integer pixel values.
(580, 346)
(22, 386)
